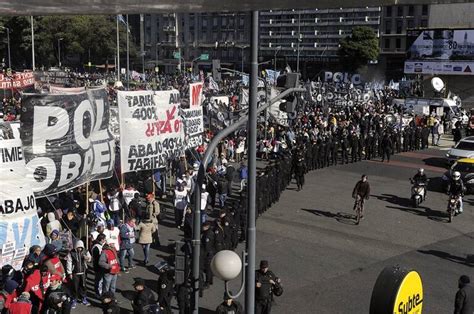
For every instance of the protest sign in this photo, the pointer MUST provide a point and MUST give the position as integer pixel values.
(17, 80)
(195, 94)
(66, 90)
(151, 130)
(66, 140)
(19, 223)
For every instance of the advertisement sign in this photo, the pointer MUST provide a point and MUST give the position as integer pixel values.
(17, 80)
(440, 44)
(19, 223)
(151, 130)
(439, 67)
(66, 140)
(397, 290)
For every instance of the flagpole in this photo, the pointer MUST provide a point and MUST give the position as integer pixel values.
(128, 56)
(117, 68)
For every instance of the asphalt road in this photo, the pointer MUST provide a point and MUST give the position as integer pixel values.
(329, 265)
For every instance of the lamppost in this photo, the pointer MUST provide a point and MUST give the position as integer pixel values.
(33, 63)
(242, 56)
(59, 50)
(226, 265)
(275, 58)
(299, 41)
(8, 44)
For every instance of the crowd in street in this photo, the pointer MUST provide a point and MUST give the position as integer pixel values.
(96, 229)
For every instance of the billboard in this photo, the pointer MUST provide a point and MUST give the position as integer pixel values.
(440, 51)
(440, 44)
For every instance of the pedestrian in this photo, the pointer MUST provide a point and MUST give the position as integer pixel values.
(112, 234)
(109, 303)
(180, 204)
(58, 298)
(229, 305)
(110, 266)
(127, 237)
(146, 228)
(52, 261)
(98, 271)
(222, 189)
(387, 147)
(22, 305)
(153, 209)
(144, 300)
(76, 270)
(464, 303)
(265, 281)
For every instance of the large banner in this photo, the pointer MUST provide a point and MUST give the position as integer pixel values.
(440, 44)
(440, 67)
(19, 223)
(193, 118)
(151, 130)
(17, 80)
(66, 140)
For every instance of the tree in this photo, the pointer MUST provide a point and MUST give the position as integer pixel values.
(359, 48)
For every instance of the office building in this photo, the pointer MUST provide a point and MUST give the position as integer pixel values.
(314, 33)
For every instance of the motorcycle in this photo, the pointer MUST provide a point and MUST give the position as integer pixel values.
(417, 192)
(453, 206)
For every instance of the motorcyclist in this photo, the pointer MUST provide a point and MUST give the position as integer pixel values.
(456, 189)
(420, 178)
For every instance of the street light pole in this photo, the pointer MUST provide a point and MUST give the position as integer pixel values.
(33, 63)
(299, 39)
(252, 169)
(59, 51)
(8, 41)
(117, 68)
(275, 59)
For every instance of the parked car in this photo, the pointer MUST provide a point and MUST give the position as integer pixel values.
(463, 149)
(465, 166)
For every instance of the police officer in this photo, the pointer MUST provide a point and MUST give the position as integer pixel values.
(144, 300)
(386, 147)
(165, 289)
(299, 171)
(207, 253)
(344, 147)
(265, 281)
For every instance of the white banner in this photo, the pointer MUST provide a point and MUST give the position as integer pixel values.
(20, 227)
(151, 130)
(440, 67)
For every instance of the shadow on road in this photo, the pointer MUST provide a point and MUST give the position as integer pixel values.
(436, 162)
(340, 217)
(468, 260)
(405, 204)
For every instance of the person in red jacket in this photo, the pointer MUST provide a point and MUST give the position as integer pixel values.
(110, 265)
(33, 285)
(22, 305)
(55, 266)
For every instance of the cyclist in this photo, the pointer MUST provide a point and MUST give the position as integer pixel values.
(456, 188)
(361, 193)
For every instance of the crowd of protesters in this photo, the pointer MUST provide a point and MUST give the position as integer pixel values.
(96, 229)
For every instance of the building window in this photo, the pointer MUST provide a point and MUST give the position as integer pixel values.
(387, 43)
(398, 43)
(204, 22)
(399, 26)
(214, 36)
(400, 10)
(224, 21)
(424, 9)
(411, 10)
(242, 21)
(214, 22)
(388, 27)
(410, 24)
(424, 23)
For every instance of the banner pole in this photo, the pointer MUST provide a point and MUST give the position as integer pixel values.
(153, 181)
(87, 214)
(122, 178)
(101, 192)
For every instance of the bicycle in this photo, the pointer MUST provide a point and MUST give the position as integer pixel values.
(358, 207)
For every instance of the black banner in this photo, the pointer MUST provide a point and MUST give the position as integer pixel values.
(66, 141)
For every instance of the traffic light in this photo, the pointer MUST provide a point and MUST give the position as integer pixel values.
(181, 262)
(216, 70)
(288, 80)
(289, 105)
